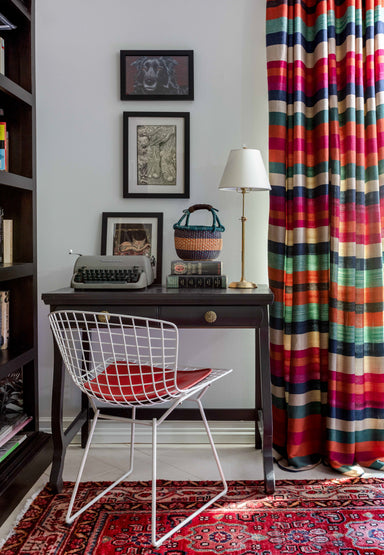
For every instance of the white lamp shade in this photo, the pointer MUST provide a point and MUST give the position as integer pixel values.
(245, 170)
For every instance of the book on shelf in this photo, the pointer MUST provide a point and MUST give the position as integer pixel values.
(2, 58)
(11, 445)
(10, 428)
(199, 267)
(7, 241)
(4, 319)
(196, 282)
(3, 144)
(1, 235)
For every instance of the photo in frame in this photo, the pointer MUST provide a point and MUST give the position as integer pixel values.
(134, 233)
(156, 75)
(156, 154)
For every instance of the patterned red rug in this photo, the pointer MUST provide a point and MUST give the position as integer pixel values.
(331, 517)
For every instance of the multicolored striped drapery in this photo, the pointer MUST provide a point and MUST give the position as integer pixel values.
(326, 233)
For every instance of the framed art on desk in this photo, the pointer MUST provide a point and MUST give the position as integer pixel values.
(156, 155)
(134, 233)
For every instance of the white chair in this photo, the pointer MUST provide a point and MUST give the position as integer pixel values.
(127, 361)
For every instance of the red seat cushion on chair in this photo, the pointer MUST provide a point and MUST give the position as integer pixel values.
(114, 383)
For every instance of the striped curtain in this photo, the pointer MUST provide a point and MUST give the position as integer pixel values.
(326, 232)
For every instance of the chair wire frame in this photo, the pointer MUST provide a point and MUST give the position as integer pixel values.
(130, 361)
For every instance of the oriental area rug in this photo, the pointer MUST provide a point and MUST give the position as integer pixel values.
(343, 516)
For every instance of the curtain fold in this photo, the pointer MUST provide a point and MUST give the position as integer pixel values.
(326, 230)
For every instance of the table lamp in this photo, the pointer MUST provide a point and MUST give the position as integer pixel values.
(244, 172)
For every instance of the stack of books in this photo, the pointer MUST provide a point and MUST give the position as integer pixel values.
(196, 274)
(10, 439)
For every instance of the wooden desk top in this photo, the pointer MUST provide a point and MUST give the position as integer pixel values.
(160, 295)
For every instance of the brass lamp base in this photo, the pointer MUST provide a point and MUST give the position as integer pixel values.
(243, 284)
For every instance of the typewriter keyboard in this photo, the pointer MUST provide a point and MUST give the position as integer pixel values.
(100, 276)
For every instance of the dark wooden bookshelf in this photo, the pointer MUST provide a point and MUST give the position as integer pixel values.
(20, 469)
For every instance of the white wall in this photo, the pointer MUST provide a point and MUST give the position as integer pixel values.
(79, 147)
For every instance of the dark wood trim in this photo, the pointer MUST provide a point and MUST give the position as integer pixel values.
(20, 470)
(16, 270)
(17, 181)
(22, 8)
(10, 87)
(219, 415)
(15, 357)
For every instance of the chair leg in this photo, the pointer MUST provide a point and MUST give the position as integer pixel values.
(70, 518)
(154, 478)
(160, 541)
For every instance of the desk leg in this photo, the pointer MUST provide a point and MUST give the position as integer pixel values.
(85, 427)
(266, 398)
(58, 439)
(258, 405)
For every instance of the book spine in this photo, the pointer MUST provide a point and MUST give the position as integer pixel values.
(8, 241)
(4, 319)
(9, 431)
(196, 282)
(1, 235)
(10, 446)
(3, 138)
(200, 267)
(2, 57)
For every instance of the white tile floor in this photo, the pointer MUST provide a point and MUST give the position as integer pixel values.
(177, 462)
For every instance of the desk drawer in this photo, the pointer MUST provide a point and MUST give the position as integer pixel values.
(212, 316)
(144, 311)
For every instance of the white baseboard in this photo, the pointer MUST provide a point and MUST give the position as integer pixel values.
(108, 431)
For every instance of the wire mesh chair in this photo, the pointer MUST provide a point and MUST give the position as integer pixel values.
(128, 361)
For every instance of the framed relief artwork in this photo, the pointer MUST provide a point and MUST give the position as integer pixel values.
(134, 233)
(156, 74)
(156, 154)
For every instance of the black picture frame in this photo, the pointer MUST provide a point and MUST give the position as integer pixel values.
(156, 155)
(156, 75)
(130, 226)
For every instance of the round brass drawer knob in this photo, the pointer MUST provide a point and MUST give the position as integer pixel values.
(104, 317)
(210, 316)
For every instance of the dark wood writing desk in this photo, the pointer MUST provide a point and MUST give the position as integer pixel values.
(187, 308)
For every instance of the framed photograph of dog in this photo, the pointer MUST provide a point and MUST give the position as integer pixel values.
(156, 155)
(134, 233)
(156, 74)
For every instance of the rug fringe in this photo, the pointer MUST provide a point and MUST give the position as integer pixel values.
(20, 515)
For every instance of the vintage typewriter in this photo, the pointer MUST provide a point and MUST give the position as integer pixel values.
(112, 272)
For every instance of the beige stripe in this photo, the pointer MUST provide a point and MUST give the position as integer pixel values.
(356, 425)
(282, 52)
(301, 341)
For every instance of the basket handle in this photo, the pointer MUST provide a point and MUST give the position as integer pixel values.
(216, 224)
(200, 207)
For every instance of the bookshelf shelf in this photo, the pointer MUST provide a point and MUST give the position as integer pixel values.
(17, 181)
(18, 363)
(15, 357)
(13, 89)
(15, 271)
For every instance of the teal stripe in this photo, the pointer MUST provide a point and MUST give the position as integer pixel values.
(304, 312)
(351, 334)
(311, 262)
(302, 411)
(357, 436)
(350, 277)
(323, 21)
(277, 167)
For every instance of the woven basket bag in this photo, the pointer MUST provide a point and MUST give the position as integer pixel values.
(198, 242)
